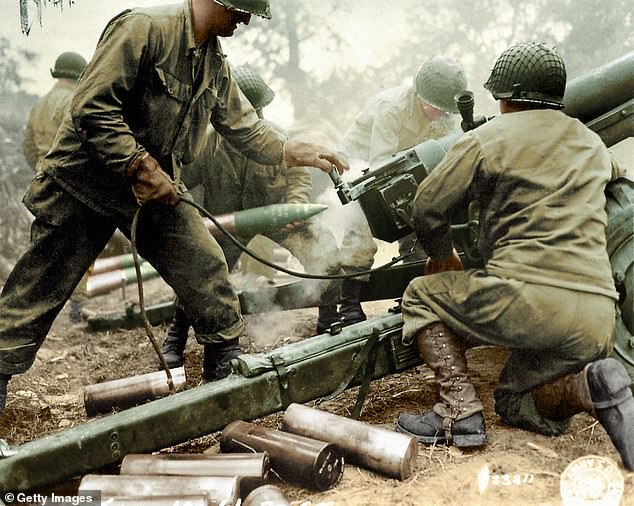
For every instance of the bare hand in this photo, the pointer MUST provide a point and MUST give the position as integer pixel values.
(450, 263)
(300, 153)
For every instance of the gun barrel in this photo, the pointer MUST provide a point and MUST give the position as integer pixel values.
(591, 95)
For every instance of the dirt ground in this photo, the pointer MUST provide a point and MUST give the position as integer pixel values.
(515, 467)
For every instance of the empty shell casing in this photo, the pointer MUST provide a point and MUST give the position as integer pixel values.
(103, 398)
(251, 468)
(216, 489)
(313, 464)
(381, 450)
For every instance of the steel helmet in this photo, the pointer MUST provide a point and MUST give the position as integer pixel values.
(260, 8)
(529, 72)
(438, 81)
(253, 86)
(69, 65)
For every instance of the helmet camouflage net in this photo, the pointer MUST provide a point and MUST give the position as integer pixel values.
(439, 80)
(69, 65)
(260, 8)
(529, 72)
(253, 86)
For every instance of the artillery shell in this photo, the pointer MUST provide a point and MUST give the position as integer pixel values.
(218, 490)
(251, 468)
(102, 398)
(375, 448)
(262, 219)
(313, 464)
(266, 495)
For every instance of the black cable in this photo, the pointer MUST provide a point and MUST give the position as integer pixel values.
(146, 322)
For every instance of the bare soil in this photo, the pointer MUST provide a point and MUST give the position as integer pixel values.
(515, 467)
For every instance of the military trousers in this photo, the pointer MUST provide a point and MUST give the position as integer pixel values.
(67, 236)
(549, 331)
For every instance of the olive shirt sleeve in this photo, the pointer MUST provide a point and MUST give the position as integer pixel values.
(97, 106)
(235, 119)
(440, 193)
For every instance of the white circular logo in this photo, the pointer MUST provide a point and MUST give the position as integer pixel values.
(591, 480)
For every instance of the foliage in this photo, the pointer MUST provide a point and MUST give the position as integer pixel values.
(10, 63)
(587, 33)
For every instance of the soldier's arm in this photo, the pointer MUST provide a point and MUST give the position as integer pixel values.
(440, 193)
(235, 119)
(298, 185)
(97, 106)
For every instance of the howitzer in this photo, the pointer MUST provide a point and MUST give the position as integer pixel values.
(300, 372)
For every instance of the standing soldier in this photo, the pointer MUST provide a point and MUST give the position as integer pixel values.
(140, 113)
(393, 120)
(546, 290)
(47, 114)
(41, 128)
(232, 182)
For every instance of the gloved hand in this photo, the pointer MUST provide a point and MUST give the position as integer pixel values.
(450, 263)
(308, 154)
(150, 183)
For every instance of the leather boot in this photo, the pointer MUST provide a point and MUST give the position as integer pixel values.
(603, 390)
(4, 381)
(327, 316)
(457, 419)
(350, 309)
(217, 359)
(174, 345)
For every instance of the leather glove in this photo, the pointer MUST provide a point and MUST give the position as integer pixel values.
(150, 183)
(450, 263)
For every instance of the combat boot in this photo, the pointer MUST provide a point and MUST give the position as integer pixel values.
(75, 311)
(350, 309)
(217, 359)
(457, 419)
(4, 382)
(327, 316)
(174, 345)
(603, 390)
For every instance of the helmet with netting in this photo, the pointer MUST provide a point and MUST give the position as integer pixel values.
(438, 81)
(69, 65)
(529, 72)
(260, 8)
(253, 86)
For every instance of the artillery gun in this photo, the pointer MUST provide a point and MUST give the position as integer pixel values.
(326, 365)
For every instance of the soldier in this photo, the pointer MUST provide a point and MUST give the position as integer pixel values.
(47, 114)
(392, 120)
(140, 112)
(41, 127)
(546, 290)
(232, 182)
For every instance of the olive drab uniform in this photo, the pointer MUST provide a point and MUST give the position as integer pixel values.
(44, 120)
(546, 289)
(160, 95)
(233, 182)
